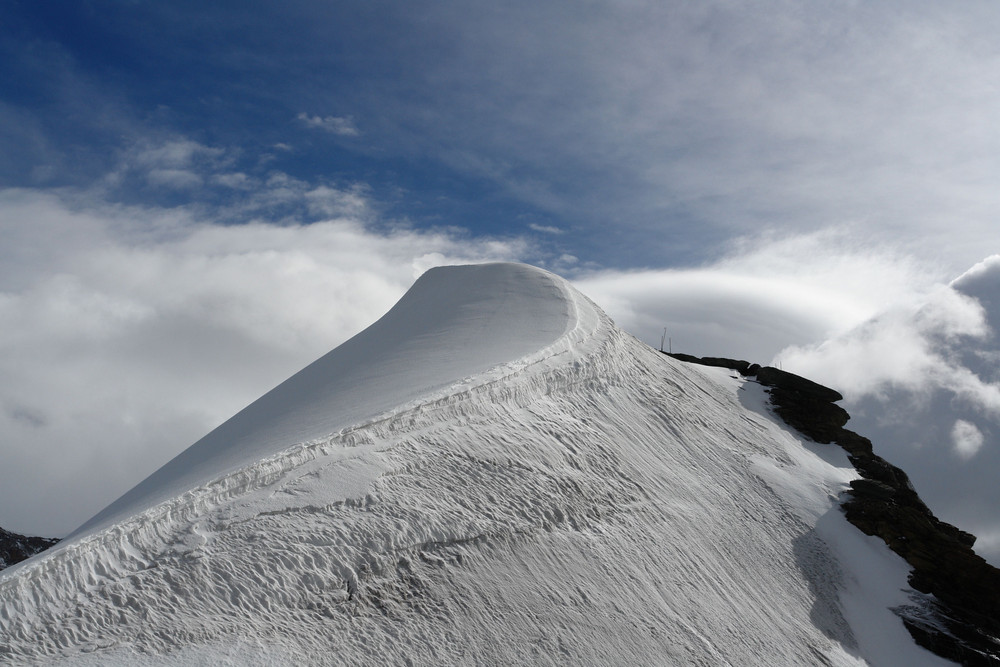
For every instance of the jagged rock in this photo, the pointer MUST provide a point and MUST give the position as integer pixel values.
(735, 364)
(872, 489)
(773, 377)
(857, 446)
(821, 420)
(873, 466)
(719, 362)
(805, 405)
(679, 356)
(961, 622)
(766, 375)
(14, 547)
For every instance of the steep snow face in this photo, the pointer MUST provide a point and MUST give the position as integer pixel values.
(454, 323)
(571, 496)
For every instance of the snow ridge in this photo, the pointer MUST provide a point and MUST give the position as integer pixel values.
(587, 502)
(456, 325)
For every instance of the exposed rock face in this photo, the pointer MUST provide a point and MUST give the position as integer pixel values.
(14, 548)
(961, 622)
(735, 364)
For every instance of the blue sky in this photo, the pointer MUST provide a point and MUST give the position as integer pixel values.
(344, 96)
(651, 133)
(196, 199)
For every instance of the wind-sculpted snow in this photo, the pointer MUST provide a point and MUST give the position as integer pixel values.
(452, 325)
(586, 501)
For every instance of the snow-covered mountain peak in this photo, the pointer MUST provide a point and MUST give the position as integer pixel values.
(492, 473)
(455, 323)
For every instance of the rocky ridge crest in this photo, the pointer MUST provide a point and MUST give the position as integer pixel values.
(14, 547)
(958, 614)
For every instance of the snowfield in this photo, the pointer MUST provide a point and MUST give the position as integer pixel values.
(492, 473)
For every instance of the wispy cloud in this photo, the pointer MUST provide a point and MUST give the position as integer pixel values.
(123, 344)
(330, 202)
(340, 125)
(175, 154)
(173, 163)
(544, 229)
(234, 180)
(761, 296)
(682, 125)
(679, 126)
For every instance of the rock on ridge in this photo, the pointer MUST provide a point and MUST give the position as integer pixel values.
(14, 547)
(959, 616)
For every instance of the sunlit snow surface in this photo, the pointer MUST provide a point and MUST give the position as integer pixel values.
(492, 473)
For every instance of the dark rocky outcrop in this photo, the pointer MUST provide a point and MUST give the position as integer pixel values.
(721, 362)
(961, 622)
(14, 548)
(795, 384)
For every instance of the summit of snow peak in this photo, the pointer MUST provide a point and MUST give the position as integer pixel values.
(454, 323)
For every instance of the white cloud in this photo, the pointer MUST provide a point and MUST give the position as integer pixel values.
(679, 126)
(174, 154)
(924, 343)
(131, 331)
(545, 229)
(179, 164)
(904, 347)
(767, 293)
(340, 125)
(921, 380)
(234, 180)
(334, 202)
(966, 438)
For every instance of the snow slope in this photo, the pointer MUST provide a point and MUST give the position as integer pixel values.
(445, 329)
(492, 473)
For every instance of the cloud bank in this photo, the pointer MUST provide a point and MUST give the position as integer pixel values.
(130, 331)
(765, 293)
(922, 380)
